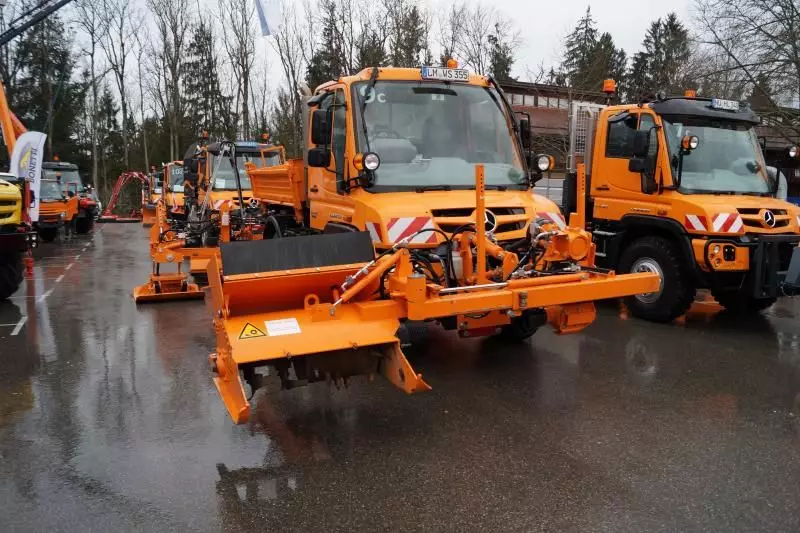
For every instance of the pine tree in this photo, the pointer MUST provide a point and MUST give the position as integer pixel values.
(409, 38)
(579, 50)
(502, 57)
(661, 64)
(327, 63)
(207, 108)
(371, 50)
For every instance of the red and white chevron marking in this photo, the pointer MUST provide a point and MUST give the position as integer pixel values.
(555, 218)
(400, 228)
(727, 223)
(696, 222)
(798, 219)
(374, 230)
(218, 204)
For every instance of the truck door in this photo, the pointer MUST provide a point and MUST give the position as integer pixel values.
(618, 153)
(329, 203)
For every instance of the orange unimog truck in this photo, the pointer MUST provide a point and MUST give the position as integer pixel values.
(58, 208)
(67, 173)
(678, 186)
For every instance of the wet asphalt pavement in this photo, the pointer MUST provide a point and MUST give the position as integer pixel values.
(109, 422)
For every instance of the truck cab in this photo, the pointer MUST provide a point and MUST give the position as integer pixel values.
(679, 186)
(173, 193)
(392, 151)
(67, 173)
(58, 208)
(216, 176)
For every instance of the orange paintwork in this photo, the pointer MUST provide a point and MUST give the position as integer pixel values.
(50, 211)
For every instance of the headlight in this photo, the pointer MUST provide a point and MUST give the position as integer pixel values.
(793, 152)
(543, 163)
(61, 216)
(716, 248)
(371, 161)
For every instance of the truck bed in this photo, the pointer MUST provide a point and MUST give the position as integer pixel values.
(281, 185)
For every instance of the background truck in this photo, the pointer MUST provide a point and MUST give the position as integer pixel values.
(679, 187)
(58, 208)
(15, 234)
(88, 208)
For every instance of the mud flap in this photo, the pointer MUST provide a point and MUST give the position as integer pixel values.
(791, 284)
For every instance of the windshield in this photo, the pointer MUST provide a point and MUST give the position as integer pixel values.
(176, 178)
(225, 179)
(432, 134)
(727, 160)
(67, 176)
(50, 190)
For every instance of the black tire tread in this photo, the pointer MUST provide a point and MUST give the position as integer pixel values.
(12, 272)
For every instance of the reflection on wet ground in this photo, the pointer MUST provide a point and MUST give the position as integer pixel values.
(109, 421)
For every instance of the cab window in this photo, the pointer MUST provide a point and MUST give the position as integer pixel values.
(339, 131)
(621, 133)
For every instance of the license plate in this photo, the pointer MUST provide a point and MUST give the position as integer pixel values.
(445, 74)
(725, 105)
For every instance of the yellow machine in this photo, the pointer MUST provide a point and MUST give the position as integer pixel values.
(58, 208)
(429, 165)
(679, 187)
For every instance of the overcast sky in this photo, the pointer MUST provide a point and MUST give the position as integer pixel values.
(545, 23)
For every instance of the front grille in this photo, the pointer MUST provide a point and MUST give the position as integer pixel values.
(501, 228)
(757, 210)
(4, 216)
(8, 203)
(756, 223)
(467, 211)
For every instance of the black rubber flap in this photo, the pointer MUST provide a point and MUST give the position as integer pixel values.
(296, 252)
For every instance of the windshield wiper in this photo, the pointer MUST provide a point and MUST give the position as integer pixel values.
(423, 188)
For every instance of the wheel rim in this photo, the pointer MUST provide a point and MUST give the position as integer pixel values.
(648, 264)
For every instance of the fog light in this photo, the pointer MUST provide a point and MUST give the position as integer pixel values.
(716, 248)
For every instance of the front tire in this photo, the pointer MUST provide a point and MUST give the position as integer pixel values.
(11, 273)
(658, 255)
(48, 234)
(523, 327)
(741, 304)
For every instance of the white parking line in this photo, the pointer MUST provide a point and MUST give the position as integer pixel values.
(77, 257)
(19, 325)
(44, 296)
(59, 278)
(69, 266)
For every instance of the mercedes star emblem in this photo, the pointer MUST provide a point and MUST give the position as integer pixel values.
(490, 220)
(769, 218)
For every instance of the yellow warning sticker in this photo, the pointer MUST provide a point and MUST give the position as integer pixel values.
(249, 331)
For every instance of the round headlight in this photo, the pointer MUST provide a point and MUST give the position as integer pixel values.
(716, 248)
(693, 142)
(543, 163)
(371, 161)
(793, 152)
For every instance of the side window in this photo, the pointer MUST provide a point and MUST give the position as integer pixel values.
(619, 143)
(645, 123)
(339, 131)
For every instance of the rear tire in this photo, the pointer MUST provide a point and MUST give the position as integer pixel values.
(659, 255)
(84, 225)
(741, 304)
(48, 234)
(11, 273)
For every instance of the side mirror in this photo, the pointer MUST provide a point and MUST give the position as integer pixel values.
(641, 143)
(319, 157)
(525, 134)
(321, 127)
(71, 194)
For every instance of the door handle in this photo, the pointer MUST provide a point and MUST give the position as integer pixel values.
(314, 188)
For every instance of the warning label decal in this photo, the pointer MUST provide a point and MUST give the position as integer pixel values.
(249, 331)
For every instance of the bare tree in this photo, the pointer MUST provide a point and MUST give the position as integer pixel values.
(239, 41)
(142, 38)
(757, 42)
(120, 23)
(90, 19)
(172, 21)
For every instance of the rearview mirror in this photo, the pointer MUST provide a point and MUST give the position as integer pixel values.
(525, 133)
(319, 157)
(641, 143)
(321, 127)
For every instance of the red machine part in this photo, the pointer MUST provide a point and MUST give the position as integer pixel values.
(124, 179)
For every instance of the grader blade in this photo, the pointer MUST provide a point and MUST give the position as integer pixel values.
(167, 287)
(273, 319)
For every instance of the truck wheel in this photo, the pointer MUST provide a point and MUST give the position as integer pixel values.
(11, 273)
(84, 225)
(210, 238)
(523, 327)
(740, 304)
(656, 254)
(48, 234)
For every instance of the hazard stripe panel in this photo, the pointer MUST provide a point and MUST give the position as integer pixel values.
(727, 223)
(374, 230)
(696, 222)
(401, 228)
